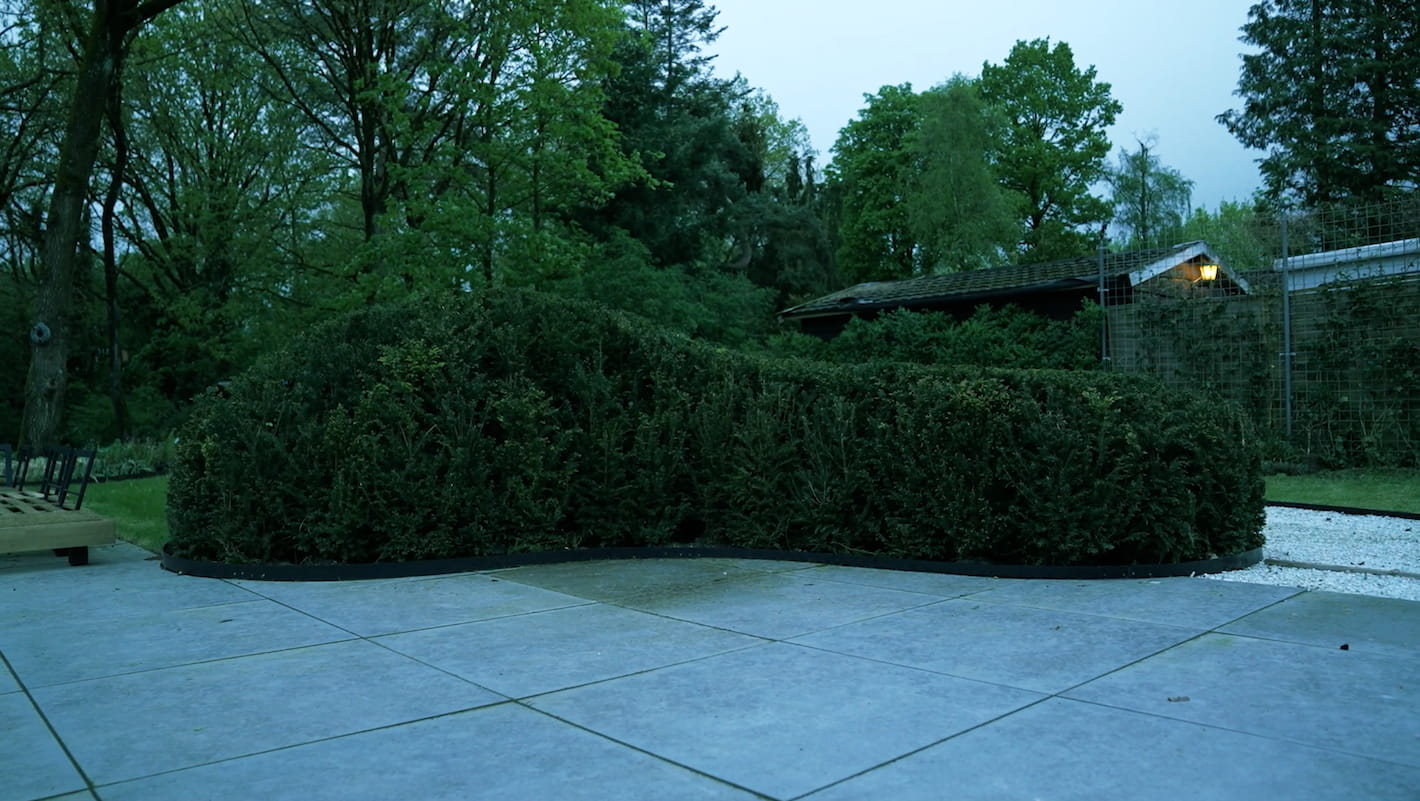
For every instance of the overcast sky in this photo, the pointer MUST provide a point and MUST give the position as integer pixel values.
(1173, 66)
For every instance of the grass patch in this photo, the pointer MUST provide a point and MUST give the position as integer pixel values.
(1392, 490)
(138, 509)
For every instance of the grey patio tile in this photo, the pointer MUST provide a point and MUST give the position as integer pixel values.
(613, 579)
(31, 762)
(775, 605)
(1362, 703)
(73, 650)
(1186, 602)
(538, 653)
(1330, 619)
(1065, 750)
(25, 562)
(502, 752)
(943, 585)
(371, 608)
(186, 716)
(106, 591)
(780, 719)
(770, 565)
(1035, 649)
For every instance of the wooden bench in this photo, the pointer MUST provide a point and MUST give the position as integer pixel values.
(50, 517)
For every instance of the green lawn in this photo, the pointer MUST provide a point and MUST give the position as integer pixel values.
(1392, 490)
(138, 508)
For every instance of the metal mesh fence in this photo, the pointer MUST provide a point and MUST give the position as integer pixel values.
(1311, 324)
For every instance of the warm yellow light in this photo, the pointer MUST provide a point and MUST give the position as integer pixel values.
(1207, 272)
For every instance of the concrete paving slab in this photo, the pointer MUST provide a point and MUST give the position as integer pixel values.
(770, 565)
(1329, 619)
(1182, 602)
(502, 752)
(372, 608)
(73, 650)
(8, 683)
(554, 650)
(110, 594)
(1035, 649)
(614, 579)
(123, 583)
(36, 561)
(32, 764)
(942, 585)
(776, 605)
(780, 719)
(1360, 703)
(127, 727)
(1067, 750)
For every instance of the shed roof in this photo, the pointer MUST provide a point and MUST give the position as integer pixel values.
(999, 283)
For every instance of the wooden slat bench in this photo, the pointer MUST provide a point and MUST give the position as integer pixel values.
(50, 519)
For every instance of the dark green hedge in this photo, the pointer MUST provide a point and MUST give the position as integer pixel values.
(513, 422)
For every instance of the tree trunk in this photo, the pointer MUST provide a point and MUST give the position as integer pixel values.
(49, 336)
(115, 187)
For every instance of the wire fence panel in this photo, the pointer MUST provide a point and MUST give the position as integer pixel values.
(1311, 324)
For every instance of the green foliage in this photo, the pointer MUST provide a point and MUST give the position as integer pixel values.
(1054, 145)
(707, 304)
(461, 425)
(134, 459)
(1007, 337)
(1150, 200)
(962, 218)
(681, 125)
(1330, 96)
(871, 168)
(1247, 236)
(1358, 398)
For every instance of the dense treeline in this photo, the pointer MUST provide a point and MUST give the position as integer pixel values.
(260, 165)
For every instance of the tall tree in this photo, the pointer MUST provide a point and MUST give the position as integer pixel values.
(957, 211)
(1054, 147)
(111, 28)
(681, 123)
(1333, 96)
(1151, 201)
(217, 202)
(869, 177)
(36, 74)
(780, 239)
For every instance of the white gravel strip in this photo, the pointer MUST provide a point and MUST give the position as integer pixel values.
(1356, 542)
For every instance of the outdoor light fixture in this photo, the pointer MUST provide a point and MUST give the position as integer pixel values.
(1207, 272)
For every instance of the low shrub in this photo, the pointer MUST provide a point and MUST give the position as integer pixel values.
(513, 422)
(138, 458)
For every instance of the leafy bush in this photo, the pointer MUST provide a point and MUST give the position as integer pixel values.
(990, 337)
(137, 458)
(478, 425)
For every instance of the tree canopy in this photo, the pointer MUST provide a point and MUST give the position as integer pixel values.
(1053, 147)
(1333, 96)
(1151, 200)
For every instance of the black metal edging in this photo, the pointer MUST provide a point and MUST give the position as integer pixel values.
(1345, 510)
(434, 567)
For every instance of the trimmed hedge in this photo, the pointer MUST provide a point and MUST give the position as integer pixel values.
(514, 422)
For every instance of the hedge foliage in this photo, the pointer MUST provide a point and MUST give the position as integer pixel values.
(514, 422)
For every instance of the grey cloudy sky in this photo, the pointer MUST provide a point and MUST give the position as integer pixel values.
(1174, 66)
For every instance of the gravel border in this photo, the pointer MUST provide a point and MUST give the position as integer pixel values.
(1365, 554)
